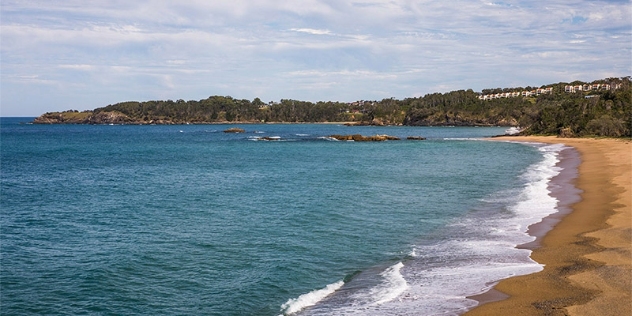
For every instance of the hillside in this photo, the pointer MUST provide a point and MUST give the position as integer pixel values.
(599, 108)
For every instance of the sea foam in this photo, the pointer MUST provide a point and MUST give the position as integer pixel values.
(295, 305)
(536, 202)
(393, 286)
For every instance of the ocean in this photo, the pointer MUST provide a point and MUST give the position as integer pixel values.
(189, 220)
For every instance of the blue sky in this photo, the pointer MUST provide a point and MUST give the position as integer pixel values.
(60, 55)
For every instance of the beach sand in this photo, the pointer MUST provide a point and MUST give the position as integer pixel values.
(588, 254)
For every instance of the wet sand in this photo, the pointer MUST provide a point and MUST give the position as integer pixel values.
(588, 252)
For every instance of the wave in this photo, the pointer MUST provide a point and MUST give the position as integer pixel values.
(462, 138)
(295, 305)
(266, 138)
(393, 286)
(328, 138)
(536, 203)
(371, 292)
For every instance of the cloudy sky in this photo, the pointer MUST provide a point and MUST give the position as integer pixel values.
(71, 54)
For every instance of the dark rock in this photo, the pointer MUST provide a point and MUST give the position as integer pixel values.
(566, 133)
(360, 138)
(415, 138)
(273, 138)
(235, 130)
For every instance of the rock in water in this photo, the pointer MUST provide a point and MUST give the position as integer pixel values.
(361, 138)
(235, 130)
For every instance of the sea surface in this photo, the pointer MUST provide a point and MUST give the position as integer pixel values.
(189, 220)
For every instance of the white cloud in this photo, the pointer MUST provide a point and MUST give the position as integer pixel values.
(29, 79)
(312, 31)
(111, 51)
(83, 67)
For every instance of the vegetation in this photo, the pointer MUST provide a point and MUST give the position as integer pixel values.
(606, 113)
(227, 109)
(584, 113)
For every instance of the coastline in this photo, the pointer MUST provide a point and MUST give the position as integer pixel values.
(587, 253)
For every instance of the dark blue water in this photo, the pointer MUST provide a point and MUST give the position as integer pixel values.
(181, 220)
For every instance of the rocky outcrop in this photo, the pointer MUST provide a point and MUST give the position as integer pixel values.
(415, 138)
(566, 132)
(87, 117)
(67, 117)
(361, 138)
(373, 122)
(110, 118)
(235, 130)
(270, 138)
(47, 118)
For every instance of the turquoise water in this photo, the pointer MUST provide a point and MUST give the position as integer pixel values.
(182, 220)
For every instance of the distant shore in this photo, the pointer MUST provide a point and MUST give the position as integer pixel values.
(587, 256)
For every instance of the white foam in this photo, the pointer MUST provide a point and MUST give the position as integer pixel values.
(413, 253)
(328, 138)
(393, 286)
(536, 202)
(375, 299)
(462, 138)
(295, 305)
(267, 138)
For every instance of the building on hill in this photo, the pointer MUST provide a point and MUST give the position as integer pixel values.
(525, 93)
(592, 87)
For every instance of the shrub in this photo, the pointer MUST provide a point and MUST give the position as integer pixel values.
(606, 126)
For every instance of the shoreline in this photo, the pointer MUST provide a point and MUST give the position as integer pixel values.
(558, 186)
(562, 188)
(585, 247)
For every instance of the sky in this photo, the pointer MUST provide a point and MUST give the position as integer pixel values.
(59, 55)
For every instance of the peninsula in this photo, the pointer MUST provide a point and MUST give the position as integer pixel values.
(600, 108)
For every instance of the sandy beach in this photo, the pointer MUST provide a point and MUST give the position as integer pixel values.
(587, 256)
